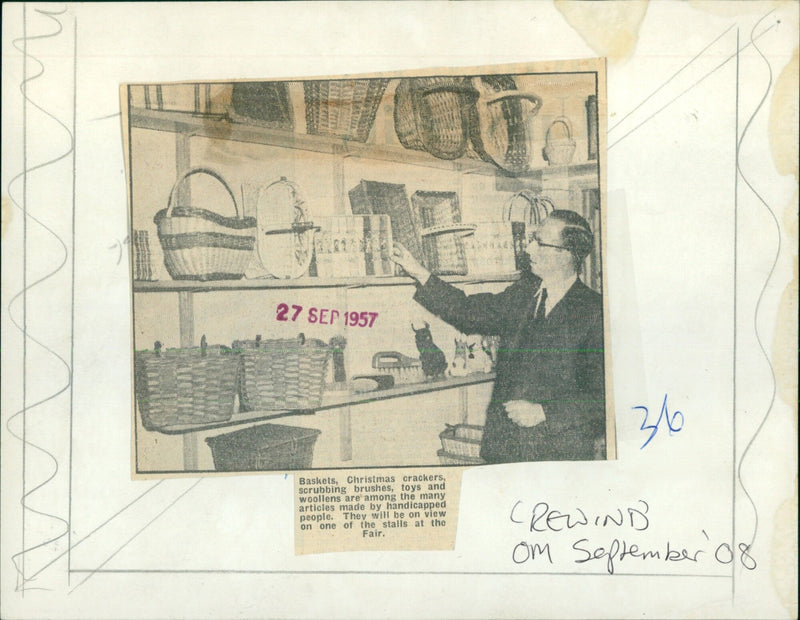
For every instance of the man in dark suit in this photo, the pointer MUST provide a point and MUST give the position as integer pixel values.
(548, 401)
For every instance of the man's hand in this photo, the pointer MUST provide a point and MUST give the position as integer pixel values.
(524, 413)
(412, 267)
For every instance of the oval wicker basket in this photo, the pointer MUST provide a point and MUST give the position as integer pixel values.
(432, 114)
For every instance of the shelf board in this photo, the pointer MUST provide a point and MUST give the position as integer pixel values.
(224, 129)
(334, 400)
(171, 286)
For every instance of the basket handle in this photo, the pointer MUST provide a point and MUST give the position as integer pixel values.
(386, 356)
(192, 171)
(468, 91)
(524, 193)
(515, 94)
(562, 120)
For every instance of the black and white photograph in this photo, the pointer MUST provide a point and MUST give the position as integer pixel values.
(369, 272)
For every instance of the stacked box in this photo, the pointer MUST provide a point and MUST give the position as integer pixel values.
(349, 246)
(491, 248)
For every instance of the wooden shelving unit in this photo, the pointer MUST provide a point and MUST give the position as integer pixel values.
(186, 126)
(193, 286)
(334, 400)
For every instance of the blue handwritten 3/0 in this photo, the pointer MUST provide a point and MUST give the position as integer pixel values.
(673, 424)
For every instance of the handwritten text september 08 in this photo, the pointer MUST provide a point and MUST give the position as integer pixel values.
(542, 520)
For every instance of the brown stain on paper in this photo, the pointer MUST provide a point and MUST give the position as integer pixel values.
(610, 28)
(783, 141)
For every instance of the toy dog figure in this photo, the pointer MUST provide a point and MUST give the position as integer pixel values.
(433, 360)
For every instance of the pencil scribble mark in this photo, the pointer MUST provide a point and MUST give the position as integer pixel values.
(753, 39)
(777, 230)
(131, 539)
(672, 77)
(51, 463)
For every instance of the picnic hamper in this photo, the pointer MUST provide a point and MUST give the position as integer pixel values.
(194, 385)
(281, 374)
(343, 108)
(200, 244)
(263, 448)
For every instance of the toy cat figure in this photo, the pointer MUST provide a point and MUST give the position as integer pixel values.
(458, 367)
(433, 360)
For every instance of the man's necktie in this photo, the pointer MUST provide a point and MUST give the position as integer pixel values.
(540, 311)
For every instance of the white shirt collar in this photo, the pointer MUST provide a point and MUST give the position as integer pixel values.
(556, 291)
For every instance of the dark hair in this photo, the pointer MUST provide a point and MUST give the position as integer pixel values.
(576, 235)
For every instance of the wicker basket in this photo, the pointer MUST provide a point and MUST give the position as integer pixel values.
(264, 448)
(432, 114)
(202, 245)
(558, 151)
(498, 123)
(343, 108)
(281, 374)
(444, 253)
(463, 440)
(266, 104)
(185, 386)
(445, 458)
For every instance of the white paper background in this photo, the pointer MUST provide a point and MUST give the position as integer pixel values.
(224, 548)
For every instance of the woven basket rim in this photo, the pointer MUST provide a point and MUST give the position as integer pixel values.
(205, 214)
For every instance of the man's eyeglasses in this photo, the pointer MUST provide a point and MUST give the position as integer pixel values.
(535, 237)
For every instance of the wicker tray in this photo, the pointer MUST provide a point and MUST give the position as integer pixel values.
(185, 386)
(264, 448)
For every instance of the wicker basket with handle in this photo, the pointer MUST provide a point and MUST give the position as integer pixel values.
(194, 385)
(499, 130)
(559, 149)
(202, 245)
(282, 374)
